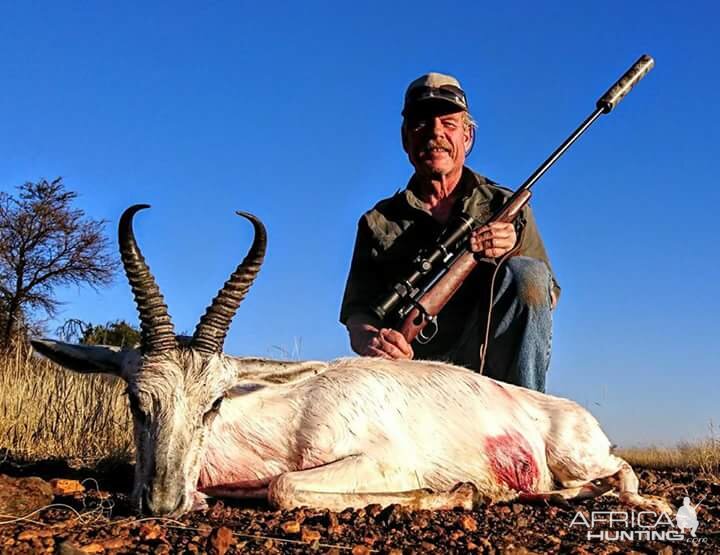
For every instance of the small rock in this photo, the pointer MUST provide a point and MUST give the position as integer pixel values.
(67, 548)
(370, 539)
(20, 496)
(116, 543)
(92, 548)
(309, 535)
(27, 535)
(487, 545)
(420, 522)
(331, 519)
(468, 523)
(220, 541)
(360, 550)
(204, 529)
(217, 510)
(290, 527)
(62, 525)
(517, 508)
(346, 515)
(518, 550)
(337, 530)
(393, 515)
(150, 531)
(455, 535)
(63, 487)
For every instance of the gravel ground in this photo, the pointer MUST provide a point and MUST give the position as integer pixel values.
(100, 520)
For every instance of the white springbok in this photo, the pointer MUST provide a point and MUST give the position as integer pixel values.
(341, 434)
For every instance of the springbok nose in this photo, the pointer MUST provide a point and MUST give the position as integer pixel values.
(161, 504)
(146, 501)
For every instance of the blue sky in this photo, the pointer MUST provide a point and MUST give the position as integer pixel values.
(292, 111)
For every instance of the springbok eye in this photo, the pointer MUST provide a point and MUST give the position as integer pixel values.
(210, 414)
(216, 404)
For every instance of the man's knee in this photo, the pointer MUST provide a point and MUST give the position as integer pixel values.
(532, 281)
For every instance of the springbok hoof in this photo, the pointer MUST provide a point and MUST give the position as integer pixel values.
(463, 495)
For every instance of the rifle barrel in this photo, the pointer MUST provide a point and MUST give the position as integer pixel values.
(604, 105)
(545, 166)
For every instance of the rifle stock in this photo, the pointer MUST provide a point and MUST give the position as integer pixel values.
(437, 297)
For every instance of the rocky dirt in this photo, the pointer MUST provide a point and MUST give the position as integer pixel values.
(100, 520)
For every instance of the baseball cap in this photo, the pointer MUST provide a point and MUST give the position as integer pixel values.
(434, 87)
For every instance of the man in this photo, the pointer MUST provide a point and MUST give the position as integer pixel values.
(437, 134)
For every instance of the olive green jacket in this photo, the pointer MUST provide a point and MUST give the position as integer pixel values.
(390, 236)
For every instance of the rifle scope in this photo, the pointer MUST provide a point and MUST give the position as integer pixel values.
(426, 262)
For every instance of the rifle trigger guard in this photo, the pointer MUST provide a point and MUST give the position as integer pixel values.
(422, 337)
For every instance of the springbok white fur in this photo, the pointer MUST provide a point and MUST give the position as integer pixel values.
(341, 434)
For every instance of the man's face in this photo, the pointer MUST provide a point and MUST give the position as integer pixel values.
(436, 142)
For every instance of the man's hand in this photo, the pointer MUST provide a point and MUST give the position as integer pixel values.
(493, 240)
(370, 340)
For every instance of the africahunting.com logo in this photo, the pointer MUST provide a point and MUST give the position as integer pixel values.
(642, 525)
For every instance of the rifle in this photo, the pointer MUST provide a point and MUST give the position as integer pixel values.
(441, 270)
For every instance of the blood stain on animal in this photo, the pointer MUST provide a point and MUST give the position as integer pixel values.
(512, 461)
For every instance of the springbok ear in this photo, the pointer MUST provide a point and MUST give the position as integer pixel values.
(262, 372)
(86, 359)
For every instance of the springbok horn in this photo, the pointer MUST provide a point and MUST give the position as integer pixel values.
(210, 333)
(157, 330)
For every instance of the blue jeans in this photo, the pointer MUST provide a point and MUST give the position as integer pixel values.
(520, 327)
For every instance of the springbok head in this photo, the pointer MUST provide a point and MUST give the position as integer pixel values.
(174, 385)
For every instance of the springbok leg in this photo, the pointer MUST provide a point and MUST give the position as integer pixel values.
(611, 473)
(561, 496)
(357, 481)
(578, 464)
(626, 484)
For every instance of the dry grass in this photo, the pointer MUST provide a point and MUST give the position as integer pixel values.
(703, 456)
(48, 412)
